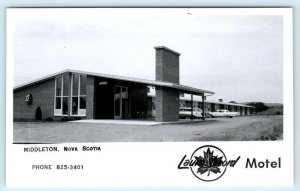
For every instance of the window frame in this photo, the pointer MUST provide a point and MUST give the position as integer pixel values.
(80, 112)
(59, 112)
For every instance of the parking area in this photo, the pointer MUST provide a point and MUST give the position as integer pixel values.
(248, 128)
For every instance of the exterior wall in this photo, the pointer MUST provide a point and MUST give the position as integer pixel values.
(239, 109)
(167, 70)
(167, 66)
(166, 104)
(90, 99)
(235, 108)
(242, 111)
(42, 96)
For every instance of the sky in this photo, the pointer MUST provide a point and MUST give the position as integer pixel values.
(238, 56)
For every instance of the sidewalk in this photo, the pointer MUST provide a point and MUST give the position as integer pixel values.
(135, 122)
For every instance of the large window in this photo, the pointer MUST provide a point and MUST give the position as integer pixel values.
(62, 87)
(78, 95)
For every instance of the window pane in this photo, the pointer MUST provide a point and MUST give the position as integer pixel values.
(58, 86)
(75, 84)
(66, 86)
(58, 103)
(82, 84)
(82, 102)
(75, 106)
(65, 106)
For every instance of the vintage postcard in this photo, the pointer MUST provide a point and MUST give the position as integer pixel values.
(139, 97)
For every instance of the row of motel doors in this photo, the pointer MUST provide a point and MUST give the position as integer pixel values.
(121, 103)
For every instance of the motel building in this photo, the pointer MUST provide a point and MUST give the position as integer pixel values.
(186, 101)
(73, 94)
(209, 106)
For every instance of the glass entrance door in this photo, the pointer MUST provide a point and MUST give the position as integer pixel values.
(120, 102)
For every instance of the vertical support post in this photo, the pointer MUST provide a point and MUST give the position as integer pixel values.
(203, 106)
(192, 106)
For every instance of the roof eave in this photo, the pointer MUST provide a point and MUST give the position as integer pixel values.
(39, 80)
(183, 88)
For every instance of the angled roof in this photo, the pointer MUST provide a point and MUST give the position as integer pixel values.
(179, 87)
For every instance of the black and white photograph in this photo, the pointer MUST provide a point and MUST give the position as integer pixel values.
(192, 92)
(118, 75)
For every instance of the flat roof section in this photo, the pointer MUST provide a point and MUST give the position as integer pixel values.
(183, 88)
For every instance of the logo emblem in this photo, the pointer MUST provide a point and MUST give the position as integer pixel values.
(207, 163)
(28, 98)
(209, 160)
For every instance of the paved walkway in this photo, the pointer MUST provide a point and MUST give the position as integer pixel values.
(133, 122)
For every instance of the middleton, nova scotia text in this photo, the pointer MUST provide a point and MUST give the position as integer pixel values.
(65, 149)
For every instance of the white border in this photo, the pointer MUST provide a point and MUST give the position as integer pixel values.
(162, 157)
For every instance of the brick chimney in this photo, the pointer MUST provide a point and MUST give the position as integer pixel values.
(167, 70)
(167, 65)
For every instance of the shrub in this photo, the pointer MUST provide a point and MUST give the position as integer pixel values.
(38, 113)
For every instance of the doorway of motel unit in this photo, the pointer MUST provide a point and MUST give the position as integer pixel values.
(121, 102)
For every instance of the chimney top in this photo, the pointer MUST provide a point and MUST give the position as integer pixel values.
(220, 100)
(168, 49)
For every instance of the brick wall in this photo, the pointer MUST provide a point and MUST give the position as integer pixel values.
(167, 65)
(43, 96)
(167, 70)
(167, 104)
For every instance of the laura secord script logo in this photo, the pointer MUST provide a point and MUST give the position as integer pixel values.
(207, 163)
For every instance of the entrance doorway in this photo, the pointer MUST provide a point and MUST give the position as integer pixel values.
(121, 109)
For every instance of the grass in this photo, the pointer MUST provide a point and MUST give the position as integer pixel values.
(264, 128)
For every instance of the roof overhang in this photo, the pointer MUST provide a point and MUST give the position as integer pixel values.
(181, 88)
